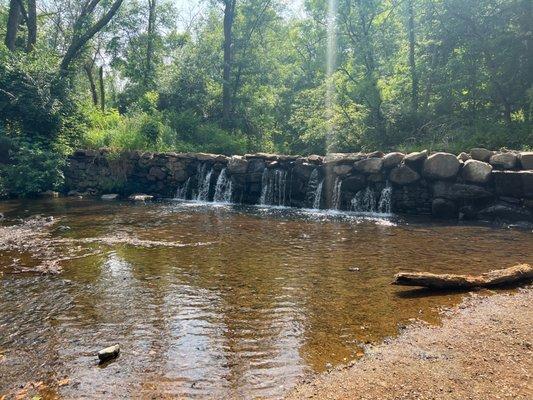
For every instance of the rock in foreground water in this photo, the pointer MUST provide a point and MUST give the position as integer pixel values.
(109, 353)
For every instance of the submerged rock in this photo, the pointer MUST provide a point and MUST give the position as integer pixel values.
(109, 353)
(108, 197)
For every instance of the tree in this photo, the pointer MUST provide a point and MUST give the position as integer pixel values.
(229, 17)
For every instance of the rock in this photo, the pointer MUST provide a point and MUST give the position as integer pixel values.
(441, 166)
(369, 165)
(443, 208)
(451, 281)
(73, 193)
(108, 197)
(526, 160)
(375, 154)
(416, 159)
(314, 159)
(157, 173)
(354, 183)
(506, 212)
(50, 194)
(342, 169)
(513, 183)
(237, 165)
(140, 197)
(109, 353)
(392, 160)
(342, 158)
(403, 175)
(464, 157)
(476, 171)
(2, 217)
(481, 154)
(504, 160)
(456, 191)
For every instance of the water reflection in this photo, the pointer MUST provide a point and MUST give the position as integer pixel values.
(278, 293)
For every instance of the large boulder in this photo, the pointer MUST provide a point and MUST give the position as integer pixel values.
(354, 183)
(504, 160)
(416, 159)
(392, 160)
(481, 154)
(441, 166)
(476, 171)
(526, 159)
(369, 165)
(506, 212)
(403, 175)
(342, 169)
(342, 158)
(444, 208)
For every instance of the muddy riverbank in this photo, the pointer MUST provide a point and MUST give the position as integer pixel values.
(483, 350)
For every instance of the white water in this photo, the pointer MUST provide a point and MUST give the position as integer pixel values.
(224, 188)
(274, 188)
(183, 190)
(385, 201)
(314, 189)
(336, 197)
(366, 201)
(204, 182)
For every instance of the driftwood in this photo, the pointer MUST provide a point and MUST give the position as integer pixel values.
(450, 281)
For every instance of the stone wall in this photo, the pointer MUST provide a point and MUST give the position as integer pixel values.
(481, 184)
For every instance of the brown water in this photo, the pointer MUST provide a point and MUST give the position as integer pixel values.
(257, 300)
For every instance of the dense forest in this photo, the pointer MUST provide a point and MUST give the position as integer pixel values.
(235, 76)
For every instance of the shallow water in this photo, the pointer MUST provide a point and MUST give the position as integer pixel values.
(258, 299)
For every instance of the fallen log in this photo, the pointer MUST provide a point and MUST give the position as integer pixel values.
(451, 281)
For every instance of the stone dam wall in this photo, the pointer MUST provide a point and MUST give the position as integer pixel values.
(481, 184)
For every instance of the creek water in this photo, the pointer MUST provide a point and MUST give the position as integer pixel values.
(219, 301)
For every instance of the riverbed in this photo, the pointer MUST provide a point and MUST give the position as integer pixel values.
(214, 300)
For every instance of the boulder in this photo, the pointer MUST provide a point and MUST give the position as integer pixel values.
(416, 158)
(506, 212)
(516, 184)
(481, 154)
(443, 208)
(354, 183)
(156, 173)
(342, 158)
(504, 160)
(476, 171)
(403, 175)
(526, 160)
(375, 154)
(314, 159)
(342, 169)
(392, 160)
(109, 197)
(50, 194)
(369, 165)
(464, 157)
(441, 166)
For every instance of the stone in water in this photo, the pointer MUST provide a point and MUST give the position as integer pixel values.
(109, 353)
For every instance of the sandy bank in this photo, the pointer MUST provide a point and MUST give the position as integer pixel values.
(483, 350)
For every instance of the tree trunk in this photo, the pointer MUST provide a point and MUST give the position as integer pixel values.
(412, 62)
(102, 87)
(32, 25)
(229, 16)
(13, 21)
(88, 67)
(148, 73)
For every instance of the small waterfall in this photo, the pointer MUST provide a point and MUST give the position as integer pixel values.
(204, 182)
(364, 201)
(314, 189)
(385, 200)
(274, 188)
(183, 190)
(224, 188)
(336, 197)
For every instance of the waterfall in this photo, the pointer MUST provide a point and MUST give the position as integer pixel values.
(224, 188)
(385, 200)
(183, 190)
(204, 182)
(336, 197)
(314, 189)
(274, 187)
(364, 201)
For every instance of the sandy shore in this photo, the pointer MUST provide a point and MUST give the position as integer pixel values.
(483, 350)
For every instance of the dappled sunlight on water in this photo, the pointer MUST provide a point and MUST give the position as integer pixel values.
(271, 295)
